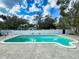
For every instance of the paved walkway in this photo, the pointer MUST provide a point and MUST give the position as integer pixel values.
(37, 51)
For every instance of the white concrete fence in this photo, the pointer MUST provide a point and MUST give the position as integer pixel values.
(33, 32)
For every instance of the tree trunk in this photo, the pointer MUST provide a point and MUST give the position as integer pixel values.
(73, 29)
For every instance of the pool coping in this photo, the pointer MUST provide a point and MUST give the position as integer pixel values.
(58, 44)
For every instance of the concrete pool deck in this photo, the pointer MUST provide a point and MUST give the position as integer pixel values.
(38, 51)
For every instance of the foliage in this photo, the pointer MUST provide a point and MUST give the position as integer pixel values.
(38, 19)
(12, 22)
(47, 23)
(70, 19)
(63, 5)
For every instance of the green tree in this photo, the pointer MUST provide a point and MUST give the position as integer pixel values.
(48, 23)
(70, 19)
(63, 5)
(45, 23)
(12, 22)
(38, 19)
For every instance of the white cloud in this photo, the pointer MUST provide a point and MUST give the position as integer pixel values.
(2, 5)
(1, 20)
(37, 1)
(34, 8)
(24, 5)
(52, 3)
(15, 9)
(46, 10)
(1, 13)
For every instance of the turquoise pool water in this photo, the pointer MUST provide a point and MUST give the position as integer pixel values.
(56, 39)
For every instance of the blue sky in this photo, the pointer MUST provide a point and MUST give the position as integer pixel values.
(29, 8)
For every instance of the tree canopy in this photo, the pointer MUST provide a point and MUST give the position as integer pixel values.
(70, 19)
(45, 23)
(12, 22)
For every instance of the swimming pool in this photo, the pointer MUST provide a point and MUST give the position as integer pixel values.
(66, 42)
